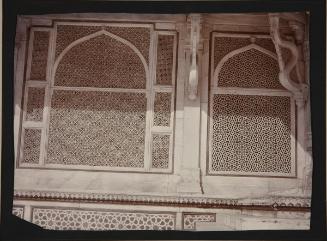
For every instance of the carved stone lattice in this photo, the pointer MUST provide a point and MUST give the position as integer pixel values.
(18, 211)
(224, 45)
(190, 219)
(65, 219)
(251, 134)
(138, 36)
(250, 69)
(266, 43)
(162, 109)
(165, 60)
(32, 142)
(160, 151)
(97, 128)
(66, 34)
(101, 62)
(35, 104)
(39, 55)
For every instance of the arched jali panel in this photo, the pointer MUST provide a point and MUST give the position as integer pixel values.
(101, 61)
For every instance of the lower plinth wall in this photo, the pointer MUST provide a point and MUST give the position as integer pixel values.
(61, 215)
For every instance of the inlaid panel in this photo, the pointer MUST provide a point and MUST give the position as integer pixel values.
(70, 219)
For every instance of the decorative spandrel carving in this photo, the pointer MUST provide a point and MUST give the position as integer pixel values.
(250, 69)
(102, 62)
(138, 36)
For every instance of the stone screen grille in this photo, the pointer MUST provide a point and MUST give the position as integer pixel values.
(101, 62)
(165, 58)
(70, 219)
(31, 146)
(251, 120)
(97, 103)
(35, 104)
(162, 109)
(138, 36)
(97, 128)
(39, 55)
(250, 69)
(251, 134)
(160, 151)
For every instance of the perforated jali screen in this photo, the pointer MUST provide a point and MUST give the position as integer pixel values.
(250, 134)
(97, 128)
(93, 110)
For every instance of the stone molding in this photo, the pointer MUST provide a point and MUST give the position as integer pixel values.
(273, 203)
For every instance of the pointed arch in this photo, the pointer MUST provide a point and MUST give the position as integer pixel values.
(91, 36)
(236, 52)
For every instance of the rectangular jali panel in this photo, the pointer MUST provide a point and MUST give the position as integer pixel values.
(251, 135)
(39, 55)
(162, 109)
(35, 104)
(160, 151)
(165, 55)
(70, 219)
(95, 128)
(31, 146)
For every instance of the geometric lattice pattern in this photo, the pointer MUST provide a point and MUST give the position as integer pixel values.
(190, 219)
(102, 62)
(32, 142)
(251, 134)
(97, 128)
(224, 45)
(138, 36)
(66, 34)
(64, 219)
(266, 43)
(160, 151)
(165, 55)
(18, 211)
(39, 55)
(250, 69)
(35, 104)
(162, 109)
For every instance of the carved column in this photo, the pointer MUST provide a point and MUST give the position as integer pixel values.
(190, 166)
(20, 52)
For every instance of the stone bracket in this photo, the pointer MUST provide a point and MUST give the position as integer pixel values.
(194, 41)
(297, 86)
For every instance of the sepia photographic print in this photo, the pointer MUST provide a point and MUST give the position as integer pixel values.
(196, 121)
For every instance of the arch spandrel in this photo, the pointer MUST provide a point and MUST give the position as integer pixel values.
(101, 60)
